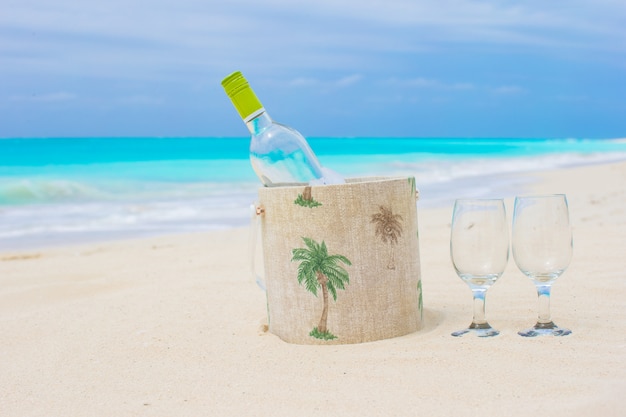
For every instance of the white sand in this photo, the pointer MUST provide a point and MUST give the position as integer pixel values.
(173, 326)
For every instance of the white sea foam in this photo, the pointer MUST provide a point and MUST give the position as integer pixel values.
(440, 181)
(144, 213)
(36, 190)
(438, 170)
(36, 211)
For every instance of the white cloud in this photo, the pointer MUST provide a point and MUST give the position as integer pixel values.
(142, 100)
(420, 82)
(107, 49)
(144, 38)
(303, 82)
(346, 81)
(533, 22)
(43, 98)
(509, 89)
(432, 83)
(349, 80)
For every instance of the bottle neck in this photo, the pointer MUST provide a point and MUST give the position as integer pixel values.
(259, 123)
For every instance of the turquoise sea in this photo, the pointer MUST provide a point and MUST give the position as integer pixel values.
(66, 190)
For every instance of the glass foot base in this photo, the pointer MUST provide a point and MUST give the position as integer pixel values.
(482, 330)
(545, 329)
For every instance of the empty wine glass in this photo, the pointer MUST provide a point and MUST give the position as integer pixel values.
(542, 249)
(479, 248)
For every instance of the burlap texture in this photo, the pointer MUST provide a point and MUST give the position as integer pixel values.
(383, 297)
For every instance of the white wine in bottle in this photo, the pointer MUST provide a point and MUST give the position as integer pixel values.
(279, 154)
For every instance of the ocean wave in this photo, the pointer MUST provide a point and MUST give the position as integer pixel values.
(33, 190)
(36, 209)
(446, 170)
(25, 191)
(71, 221)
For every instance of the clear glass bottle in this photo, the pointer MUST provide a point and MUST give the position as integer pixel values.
(278, 153)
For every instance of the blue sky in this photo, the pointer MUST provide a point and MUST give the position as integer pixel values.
(452, 68)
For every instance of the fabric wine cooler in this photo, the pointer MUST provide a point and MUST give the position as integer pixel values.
(341, 262)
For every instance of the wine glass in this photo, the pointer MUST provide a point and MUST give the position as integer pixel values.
(542, 249)
(479, 248)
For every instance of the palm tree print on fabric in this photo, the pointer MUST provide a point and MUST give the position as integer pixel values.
(319, 270)
(388, 229)
(306, 199)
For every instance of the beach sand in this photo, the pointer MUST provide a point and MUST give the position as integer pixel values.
(174, 326)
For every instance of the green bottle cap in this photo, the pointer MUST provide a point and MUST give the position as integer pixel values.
(242, 96)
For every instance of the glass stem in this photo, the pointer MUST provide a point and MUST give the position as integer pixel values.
(543, 291)
(479, 307)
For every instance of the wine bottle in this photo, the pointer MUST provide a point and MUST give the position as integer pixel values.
(279, 154)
